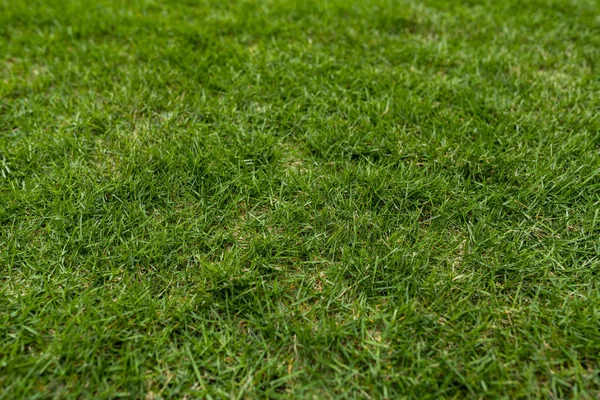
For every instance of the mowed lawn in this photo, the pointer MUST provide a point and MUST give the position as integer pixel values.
(309, 199)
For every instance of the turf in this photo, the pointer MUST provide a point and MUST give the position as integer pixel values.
(318, 199)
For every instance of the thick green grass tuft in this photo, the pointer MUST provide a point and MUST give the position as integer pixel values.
(317, 199)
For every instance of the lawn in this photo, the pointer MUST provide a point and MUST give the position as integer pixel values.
(308, 199)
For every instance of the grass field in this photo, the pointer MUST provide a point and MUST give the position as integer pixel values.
(317, 199)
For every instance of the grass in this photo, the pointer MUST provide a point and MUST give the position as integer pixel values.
(324, 199)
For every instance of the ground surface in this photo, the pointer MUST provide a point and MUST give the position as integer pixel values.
(331, 199)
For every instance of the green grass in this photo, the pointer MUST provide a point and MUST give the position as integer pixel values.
(324, 199)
